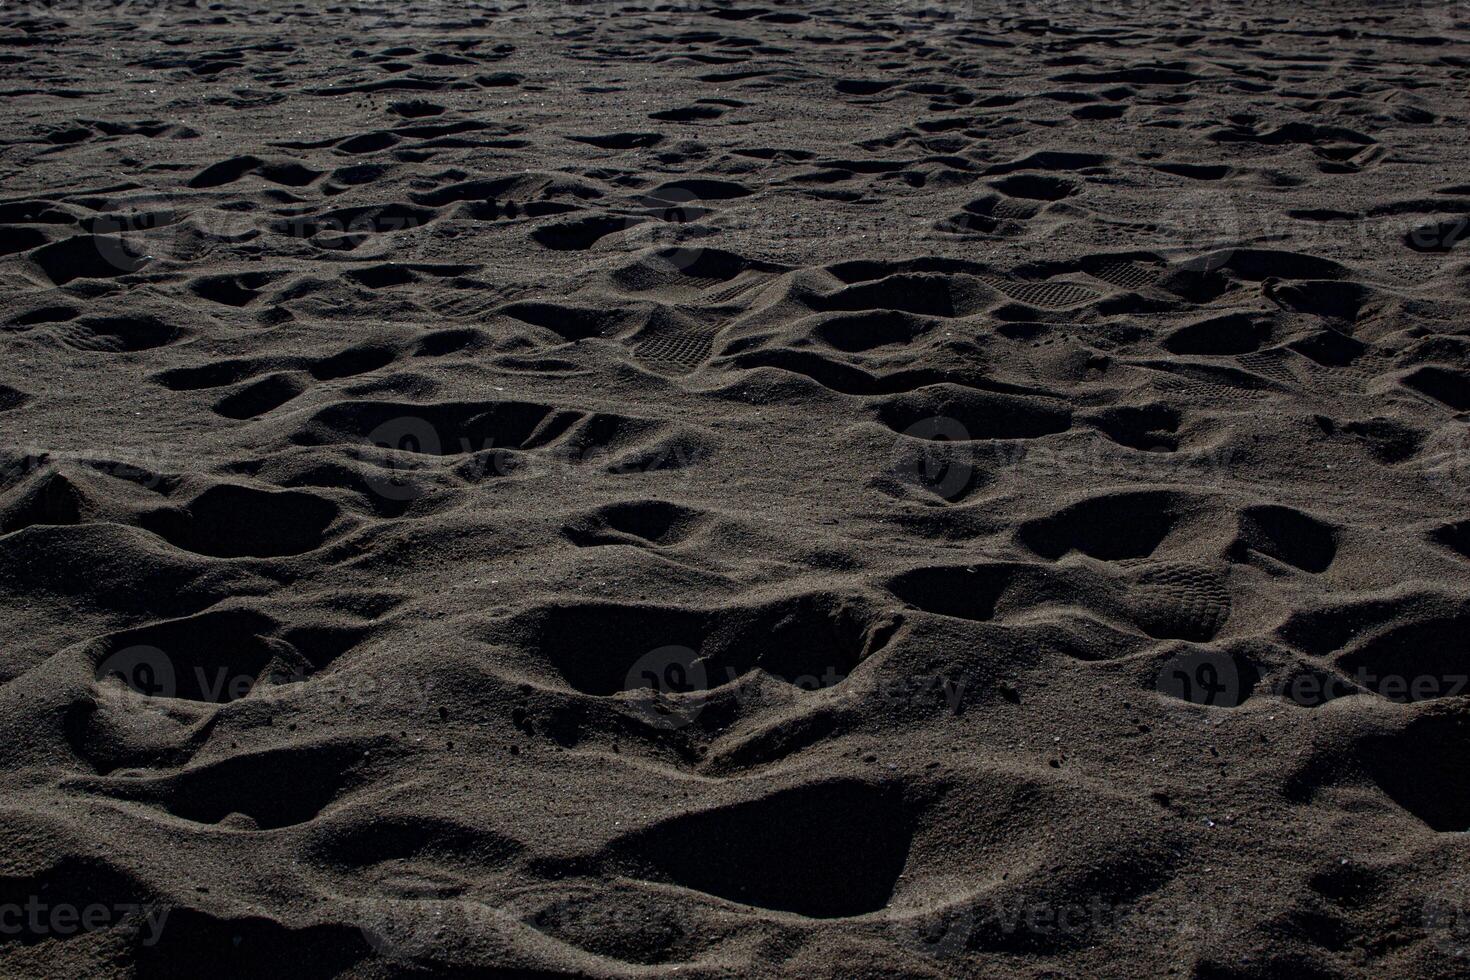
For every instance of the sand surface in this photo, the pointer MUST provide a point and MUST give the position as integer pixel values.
(710, 490)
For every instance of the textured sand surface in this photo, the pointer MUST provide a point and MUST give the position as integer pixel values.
(704, 490)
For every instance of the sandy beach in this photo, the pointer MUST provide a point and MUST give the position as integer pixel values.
(961, 488)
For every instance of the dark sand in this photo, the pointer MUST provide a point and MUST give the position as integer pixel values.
(819, 489)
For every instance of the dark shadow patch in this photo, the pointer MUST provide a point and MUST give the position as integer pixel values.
(1036, 187)
(215, 657)
(1443, 385)
(655, 522)
(1148, 428)
(810, 641)
(868, 330)
(260, 397)
(1111, 527)
(825, 850)
(232, 521)
(1233, 333)
(967, 591)
(1422, 769)
(1419, 660)
(88, 257)
(978, 414)
(1287, 535)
